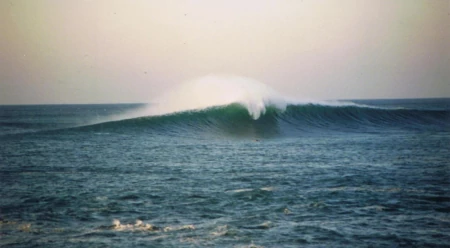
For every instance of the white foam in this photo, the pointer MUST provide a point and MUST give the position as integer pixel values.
(141, 226)
(239, 190)
(267, 188)
(249, 189)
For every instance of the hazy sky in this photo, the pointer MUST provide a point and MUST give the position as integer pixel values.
(108, 51)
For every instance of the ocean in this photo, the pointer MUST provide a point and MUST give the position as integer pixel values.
(361, 173)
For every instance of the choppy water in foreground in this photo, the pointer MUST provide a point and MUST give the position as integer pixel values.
(376, 174)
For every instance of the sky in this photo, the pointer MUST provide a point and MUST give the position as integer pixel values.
(117, 51)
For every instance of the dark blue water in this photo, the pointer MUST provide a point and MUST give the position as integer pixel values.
(369, 175)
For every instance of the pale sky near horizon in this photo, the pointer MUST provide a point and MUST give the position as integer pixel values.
(112, 51)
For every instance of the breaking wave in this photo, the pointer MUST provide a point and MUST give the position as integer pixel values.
(235, 119)
(243, 107)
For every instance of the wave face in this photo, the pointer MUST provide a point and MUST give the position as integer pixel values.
(295, 119)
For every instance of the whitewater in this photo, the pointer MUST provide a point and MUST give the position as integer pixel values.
(226, 161)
